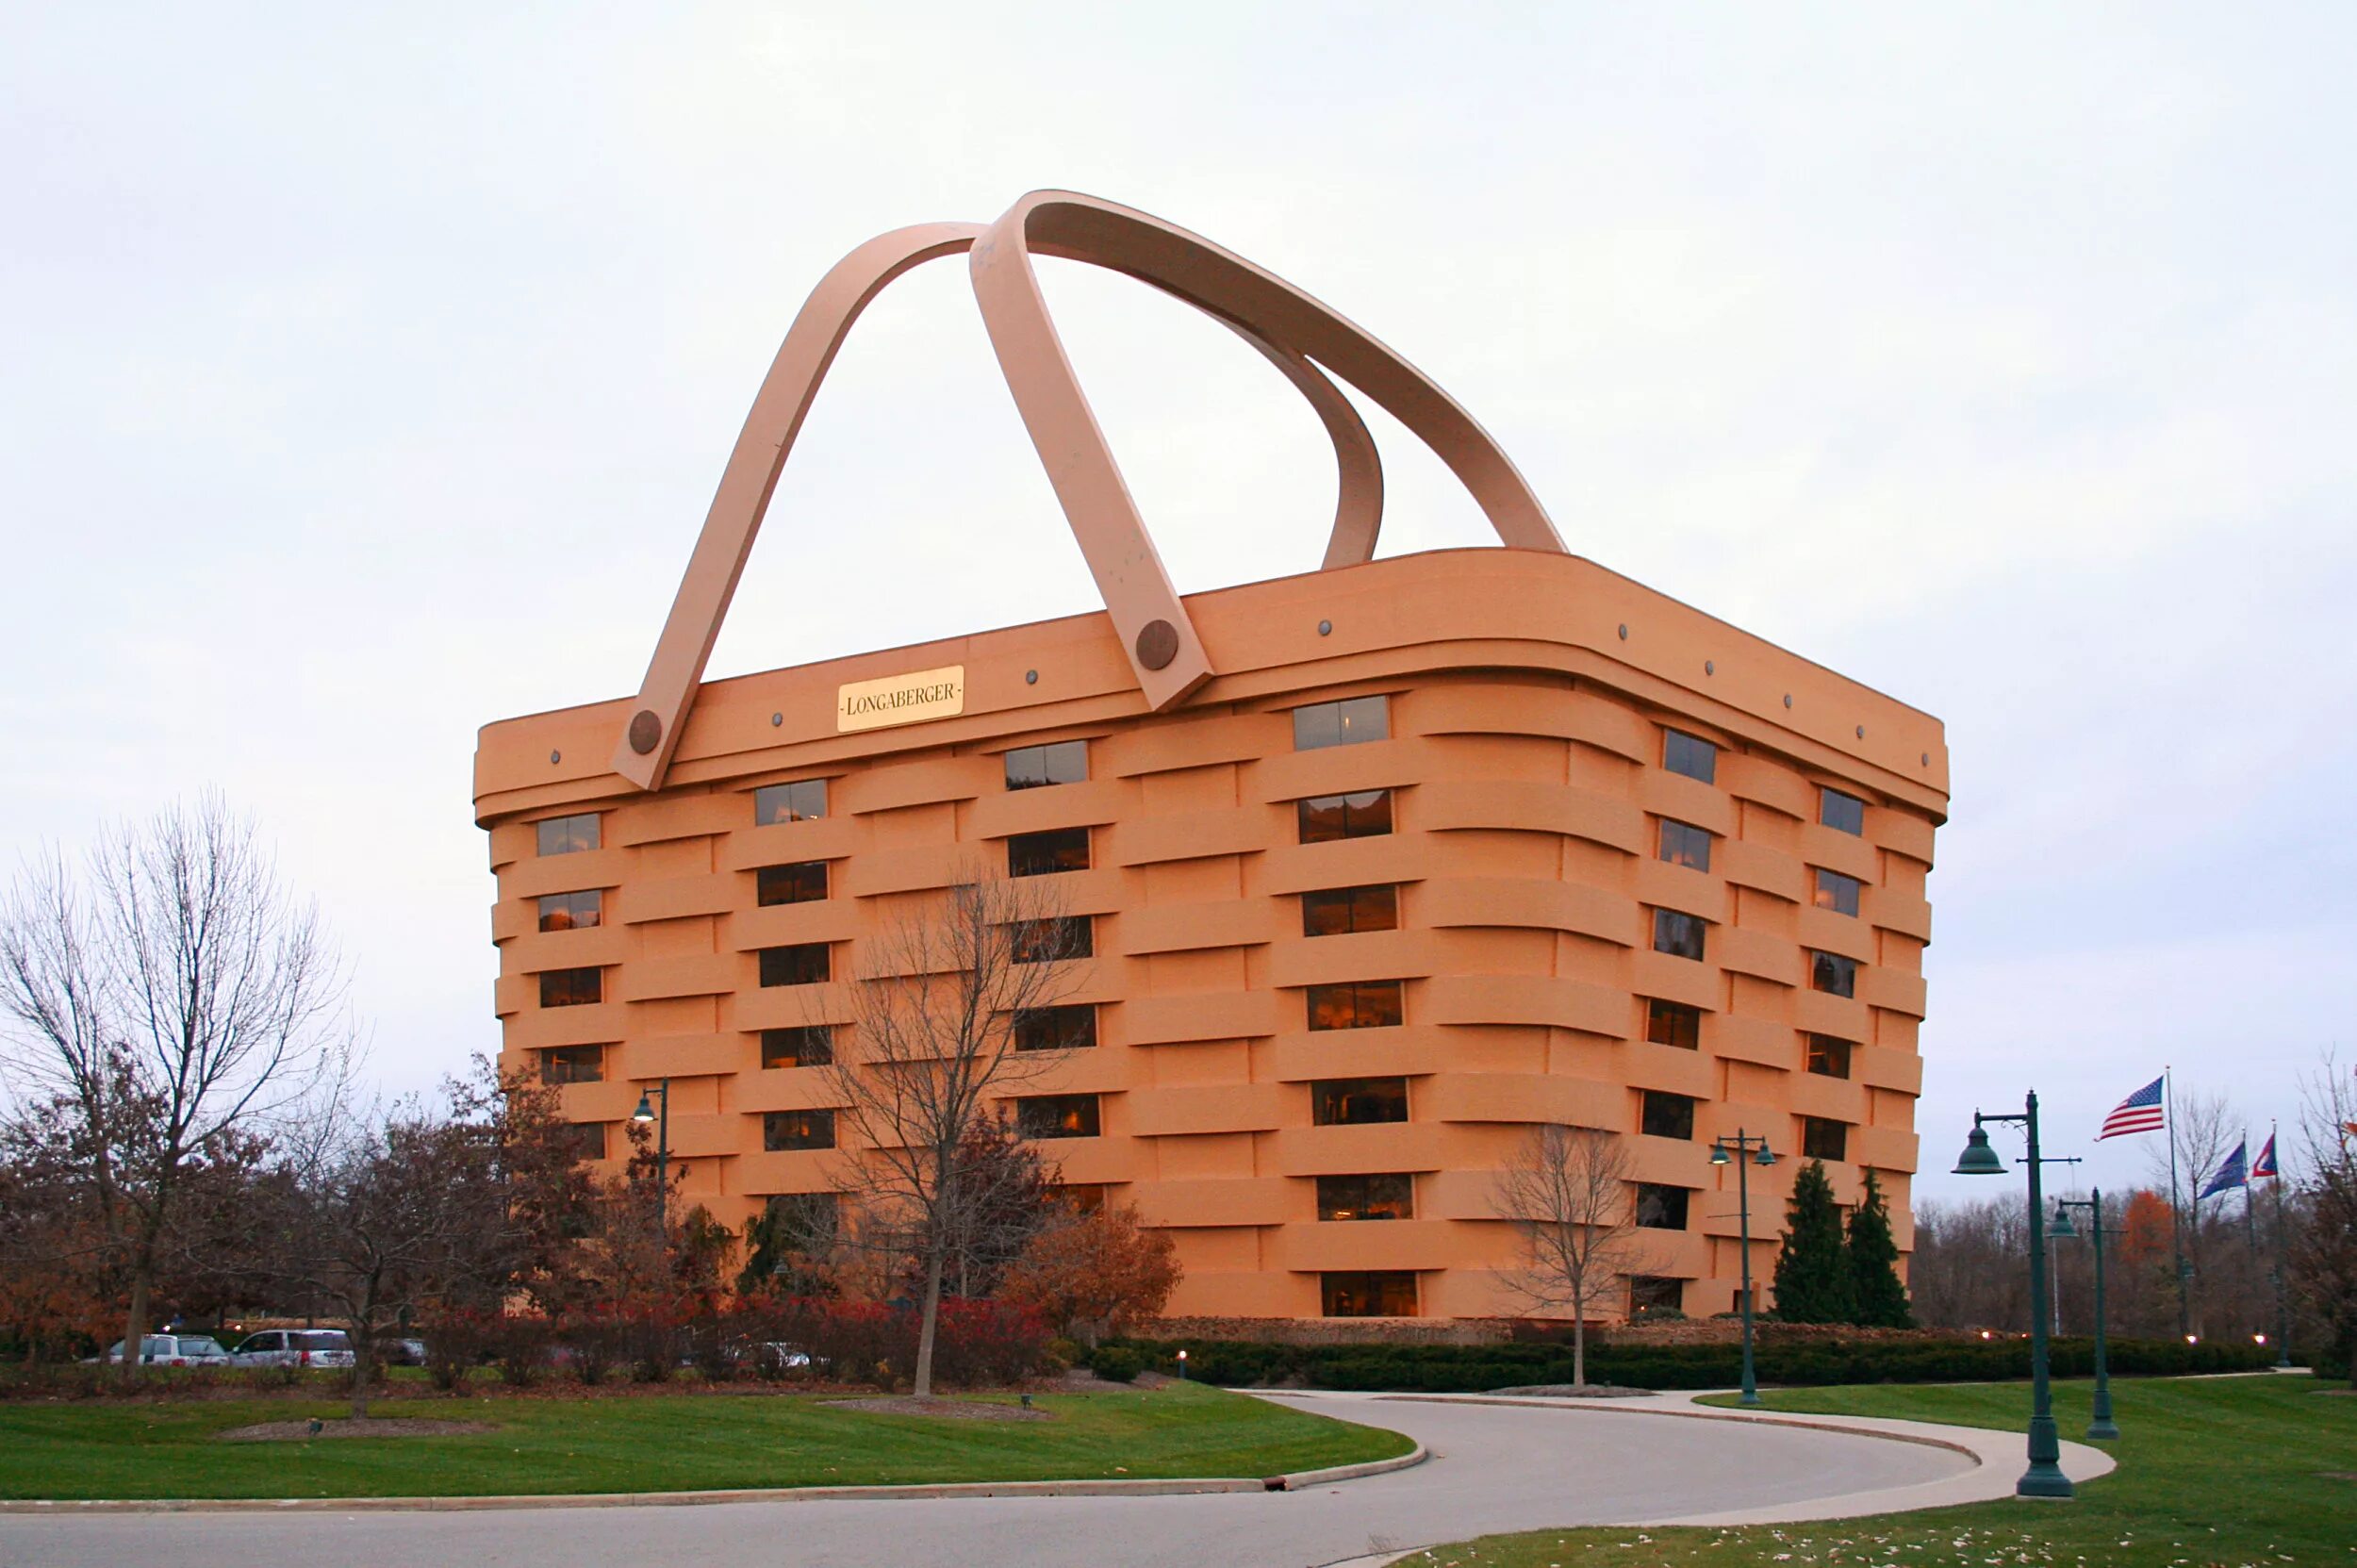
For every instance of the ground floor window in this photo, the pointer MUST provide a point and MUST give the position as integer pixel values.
(1369, 1294)
(1654, 1296)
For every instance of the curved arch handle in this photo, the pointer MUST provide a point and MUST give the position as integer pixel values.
(1157, 633)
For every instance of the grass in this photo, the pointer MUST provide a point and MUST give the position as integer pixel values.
(2212, 1470)
(663, 1443)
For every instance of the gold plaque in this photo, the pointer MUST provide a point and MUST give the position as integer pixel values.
(901, 698)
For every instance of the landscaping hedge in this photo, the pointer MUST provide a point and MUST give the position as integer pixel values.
(1470, 1368)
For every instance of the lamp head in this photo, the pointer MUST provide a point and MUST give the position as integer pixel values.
(645, 1112)
(1763, 1157)
(1718, 1154)
(2060, 1228)
(1978, 1159)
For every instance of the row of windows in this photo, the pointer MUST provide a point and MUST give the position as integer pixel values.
(1683, 843)
(1681, 936)
(1697, 758)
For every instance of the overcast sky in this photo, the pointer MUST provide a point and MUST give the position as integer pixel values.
(365, 380)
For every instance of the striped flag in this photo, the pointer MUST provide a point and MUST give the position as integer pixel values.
(2230, 1174)
(2263, 1169)
(2139, 1112)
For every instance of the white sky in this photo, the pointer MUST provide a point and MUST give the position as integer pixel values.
(368, 370)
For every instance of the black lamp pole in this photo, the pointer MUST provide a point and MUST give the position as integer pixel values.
(1722, 1149)
(2044, 1478)
(2103, 1428)
(662, 1146)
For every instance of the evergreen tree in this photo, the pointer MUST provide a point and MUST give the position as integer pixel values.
(1877, 1297)
(1813, 1268)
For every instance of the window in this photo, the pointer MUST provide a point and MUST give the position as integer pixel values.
(803, 963)
(1671, 1023)
(1069, 1028)
(1692, 755)
(1052, 940)
(1039, 854)
(803, 801)
(1357, 1101)
(1082, 1197)
(1344, 723)
(809, 1046)
(805, 1223)
(1057, 1117)
(1386, 1196)
(571, 911)
(805, 881)
(1327, 817)
(1337, 910)
(1660, 1208)
(563, 835)
(1683, 843)
(1824, 1139)
(1654, 1296)
(1355, 1004)
(1666, 1116)
(1843, 812)
(784, 1132)
(1832, 972)
(574, 1064)
(571, 988)
(1389, 1294)
(1828, 1057)
(1032, 766)
(1837, 892)
(1678, 934)
(583, 1140)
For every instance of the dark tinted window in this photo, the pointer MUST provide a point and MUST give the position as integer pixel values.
(563, 835)
(802, 883)
(803, 963)
(1039, 854)
(808, 1046)
(1355, 1004)
(800, 801)
(1391, 1196)
(804, 1223)
(574, 1064)
(1660, 1208)
(1652, 1295)
(1366, 814)
(1031, 766)
(1832, 972)
(1683, 843)
(1342, 723)
(1667, 1115)
(571, 988)
(1368, 1294)
(1690, 755)
(1354, 1101)
(1823, 1139)
(1837, 892)
(583, 1140)
(1336, 910)
(1828, 1057)
(1676, 934)
(1054, 940)
(783, 1131)
(1057, 1117)
(571, 911)
(1846, 813)
(1072, 1027)
(1671, 1023)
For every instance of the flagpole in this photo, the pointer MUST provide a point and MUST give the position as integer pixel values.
(2282, 1302)
(2176, 1220)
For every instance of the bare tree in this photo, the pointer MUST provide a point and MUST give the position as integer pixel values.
(1567, 1192)
(934, 1013)
(168, 994)
(2324, 1253)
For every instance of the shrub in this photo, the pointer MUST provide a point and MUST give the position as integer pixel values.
(1117, 1364)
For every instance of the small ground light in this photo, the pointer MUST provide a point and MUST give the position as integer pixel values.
(2193, 1339)
(2258, 1339)
(1182, 1365)
(1989, 1333)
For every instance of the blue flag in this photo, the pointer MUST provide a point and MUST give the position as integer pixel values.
(2230, 1173)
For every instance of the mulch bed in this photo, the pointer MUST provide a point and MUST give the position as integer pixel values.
(953, 1409)
(390, 1426)
(1574, 1390)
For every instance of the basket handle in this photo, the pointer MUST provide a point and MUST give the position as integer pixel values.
(1286, 326)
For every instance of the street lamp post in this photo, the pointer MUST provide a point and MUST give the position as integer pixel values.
(662, 1144)
(1722, 1149)
(2103, 1428)
(2044, 1478)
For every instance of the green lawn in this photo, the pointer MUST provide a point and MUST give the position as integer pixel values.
(2212, 1470)
(661, 1443)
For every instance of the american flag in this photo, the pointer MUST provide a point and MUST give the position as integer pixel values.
(2139, 1112)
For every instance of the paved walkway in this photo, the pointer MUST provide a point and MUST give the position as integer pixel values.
(1496, 1465)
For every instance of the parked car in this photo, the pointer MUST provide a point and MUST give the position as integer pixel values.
(293, 1347)
(400, 1352)
(174, 1350)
